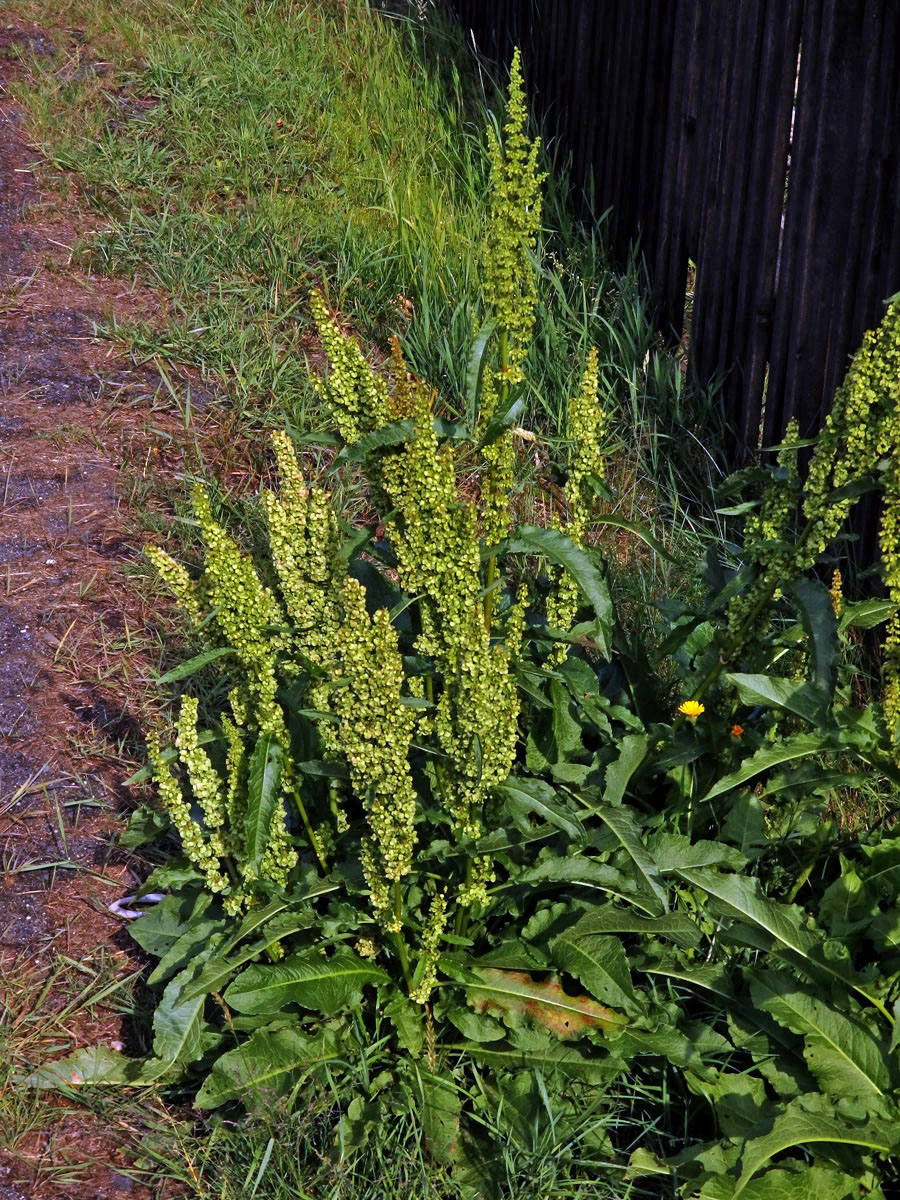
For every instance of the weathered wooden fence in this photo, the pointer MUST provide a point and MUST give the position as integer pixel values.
(759, 139)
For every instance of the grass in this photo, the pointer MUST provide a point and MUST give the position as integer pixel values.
(249, 151)
(333, 1143)
(47, 1008)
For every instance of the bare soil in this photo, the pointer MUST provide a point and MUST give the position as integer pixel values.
(80, 424)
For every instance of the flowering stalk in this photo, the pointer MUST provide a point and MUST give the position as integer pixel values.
(510, 295)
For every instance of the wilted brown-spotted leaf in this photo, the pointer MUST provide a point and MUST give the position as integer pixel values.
(545, 1003)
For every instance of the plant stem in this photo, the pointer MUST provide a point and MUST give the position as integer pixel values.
(313, 840)
(491, 591)
(462, 913)
(438, 770)
(398, 936)
(492, 561)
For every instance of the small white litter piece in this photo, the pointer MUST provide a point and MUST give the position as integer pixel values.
(118, 907)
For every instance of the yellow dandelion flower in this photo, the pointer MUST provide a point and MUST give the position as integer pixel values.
(691, 709)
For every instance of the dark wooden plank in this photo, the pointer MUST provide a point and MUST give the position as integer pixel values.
(816, 352)
(860, 225)
(673, 246)
(583, 82)
(808, 121)
(713, 348)
(879, 270)
(719, 52)
(658, 57)
(606, 115)
(756, 271)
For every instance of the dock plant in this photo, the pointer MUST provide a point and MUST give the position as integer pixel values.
(549, 862)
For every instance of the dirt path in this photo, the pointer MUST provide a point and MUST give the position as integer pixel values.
(80, 424)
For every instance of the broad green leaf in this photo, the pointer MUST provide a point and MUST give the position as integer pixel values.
(632, 751)
(813, 779)
(254, 919)
(671, 851)
(643, 1162)
(514, 954)
(711, 978)
(162, 925)
(441, 1108)
(598, 962)
(144, 825)
(269, 1064)
(263, 782)
(407, 1019)
(220, 969)
(768, 756)
(805, 1182)
(744, 898)
(777, 1053)
(667, 1042)
(781, 925)
(883, 873)
(802, 699)
(178, 876)
(808, 1121)
(193, 665)
(475, 370)
(356, 1125)
(257, 917)
(322, 769)
(477, 1027)
(866, 614)
(89, 1066)
(523, 796)
(516, 995)
(178, 1026)
(841, 1053)
(454, 431)
(504, 416)
(574, 868)
(585, 872)
(395, 433)
(322, 984)
(715, 1160)
(612, 918)
(621, 823)
(740, 1100)
(184, 951)
(745, 825)
(561, 550)
(547, 1056)
(566, 730)
(816, 611)
(581, 679)
(632, 526)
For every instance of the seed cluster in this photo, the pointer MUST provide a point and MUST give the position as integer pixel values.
(374, 732)
(586, 424)
(431, 940)
(510, 286)
(769, 540)
(356, 395)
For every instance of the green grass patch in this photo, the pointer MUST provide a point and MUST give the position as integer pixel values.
(249, 150)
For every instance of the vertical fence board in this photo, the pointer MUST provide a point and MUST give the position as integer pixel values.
(757, 268)
(679, 114)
